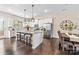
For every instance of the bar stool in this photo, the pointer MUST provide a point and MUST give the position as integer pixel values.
(18, 36)
(28, 39)
(22, 37)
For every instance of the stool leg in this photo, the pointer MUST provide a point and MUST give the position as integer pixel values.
(17, 38)
(60, 46)
(20, 37)
(74, 50)
(26, 40)
(30, 41)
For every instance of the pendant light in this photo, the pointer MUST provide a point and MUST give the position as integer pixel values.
(24, 15)
(32, 19)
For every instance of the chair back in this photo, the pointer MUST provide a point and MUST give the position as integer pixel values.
(60, 37)
(59, 34)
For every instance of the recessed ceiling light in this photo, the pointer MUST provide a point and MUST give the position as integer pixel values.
(10, 10)
(45, 10)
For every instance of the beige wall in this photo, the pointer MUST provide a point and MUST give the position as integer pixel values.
(60, 16)
(74, 17)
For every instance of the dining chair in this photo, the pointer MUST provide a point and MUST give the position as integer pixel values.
(76, 48)
(60, 39)
(64, 43)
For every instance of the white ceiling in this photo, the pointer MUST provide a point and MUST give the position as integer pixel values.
(39, 9)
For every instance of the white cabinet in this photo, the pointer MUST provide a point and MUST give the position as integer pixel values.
(11, 33)
(37, 39)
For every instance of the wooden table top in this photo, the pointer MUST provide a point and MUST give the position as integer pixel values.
(64, 35)
(73, 38)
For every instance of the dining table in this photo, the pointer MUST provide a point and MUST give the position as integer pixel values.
(73, 38)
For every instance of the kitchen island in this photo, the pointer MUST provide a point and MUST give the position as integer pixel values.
(36, 38)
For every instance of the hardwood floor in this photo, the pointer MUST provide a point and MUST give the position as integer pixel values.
(14, 47)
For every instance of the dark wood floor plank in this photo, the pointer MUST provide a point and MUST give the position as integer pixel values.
(14, 47)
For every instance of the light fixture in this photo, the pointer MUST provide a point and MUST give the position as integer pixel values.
(32, 19)
(24, 15)
(45, 10)
(10, 10)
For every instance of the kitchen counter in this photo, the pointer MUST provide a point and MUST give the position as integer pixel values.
(37, 37)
